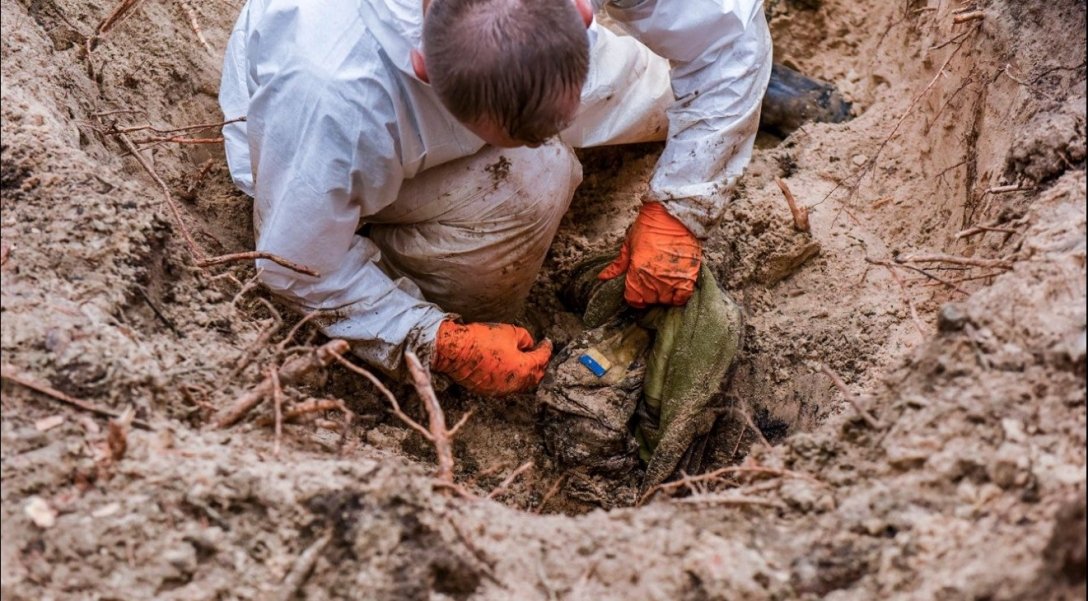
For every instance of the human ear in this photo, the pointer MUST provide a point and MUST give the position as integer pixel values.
(419, 65)
(585, 10)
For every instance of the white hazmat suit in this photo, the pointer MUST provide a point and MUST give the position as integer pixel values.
(341, 134)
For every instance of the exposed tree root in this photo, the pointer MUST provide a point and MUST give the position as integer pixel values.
(302, 567)
(9, 374)
(873, 422)
(501, 488)
(291, 371)
(440, 437)
(194, 249)
(692, 482)
(800, 214)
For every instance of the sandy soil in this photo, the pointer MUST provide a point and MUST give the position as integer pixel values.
(971, 486)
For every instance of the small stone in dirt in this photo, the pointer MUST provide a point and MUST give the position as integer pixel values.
(48, 423)
(106, 510)
(799, 495)
(860, 159)
(40, 512)
(1014, 429)
(952, 318)
(182, 558)
(1009, 467)
(1066, 550)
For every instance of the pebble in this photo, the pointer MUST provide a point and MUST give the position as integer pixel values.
(1014, 430)
(799, 495)
(951, 318)
(48, 423)
(106, 510)
(182, 558)
(39, 512)
(860, 159)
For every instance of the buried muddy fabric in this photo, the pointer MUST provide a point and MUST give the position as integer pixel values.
(594, 388)
(586, 421)
(694, 346)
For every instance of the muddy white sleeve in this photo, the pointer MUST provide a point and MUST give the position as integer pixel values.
(720, 52)
(322, 156)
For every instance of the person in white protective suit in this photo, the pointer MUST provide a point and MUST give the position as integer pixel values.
(418, 155)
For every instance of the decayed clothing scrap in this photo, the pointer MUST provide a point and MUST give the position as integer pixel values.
(669, 362)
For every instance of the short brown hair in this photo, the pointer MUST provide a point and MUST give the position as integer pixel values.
(510, 61)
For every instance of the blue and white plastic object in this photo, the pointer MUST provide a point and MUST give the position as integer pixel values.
(595, 362)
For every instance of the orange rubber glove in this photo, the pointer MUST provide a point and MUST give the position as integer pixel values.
(492, 359)
(660, 257)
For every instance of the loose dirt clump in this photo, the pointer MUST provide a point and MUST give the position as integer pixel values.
(943, 278)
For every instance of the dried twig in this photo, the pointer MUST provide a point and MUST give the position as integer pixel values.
(501, 488)
(243, 361)
(194, 248)
(8, 373)
(255, 255)
(194, 24)
(731, 500)
(1009, 188)
(552, 491)
(401, 415)
(282, 346)
(973, 278)
(118, 13)
(951, 40)
(746, 414)
(277, 404)
(955, 260)
(690, 481)
(177, 140)
(800, 214)
(968, 16)
(292, 371)
(117, 435)
(243, 289)
(304, 564)
(443, 445)
(307, 407)
(198, 127)
(158, 313)
(927, 274)
(464, 419)
(190, 190)
(873, 422)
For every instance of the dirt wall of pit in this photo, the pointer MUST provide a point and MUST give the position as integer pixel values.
(970, 487)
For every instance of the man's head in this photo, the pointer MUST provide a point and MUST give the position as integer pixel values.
(509, 70)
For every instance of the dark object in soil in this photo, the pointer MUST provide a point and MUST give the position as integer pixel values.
(585, 416)
(1065, 554)
(613, 381)
(793, 100)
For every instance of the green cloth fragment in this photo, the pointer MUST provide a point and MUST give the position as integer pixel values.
(694, 346)
(597, 301)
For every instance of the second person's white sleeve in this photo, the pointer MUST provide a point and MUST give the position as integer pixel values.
(720, 52)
